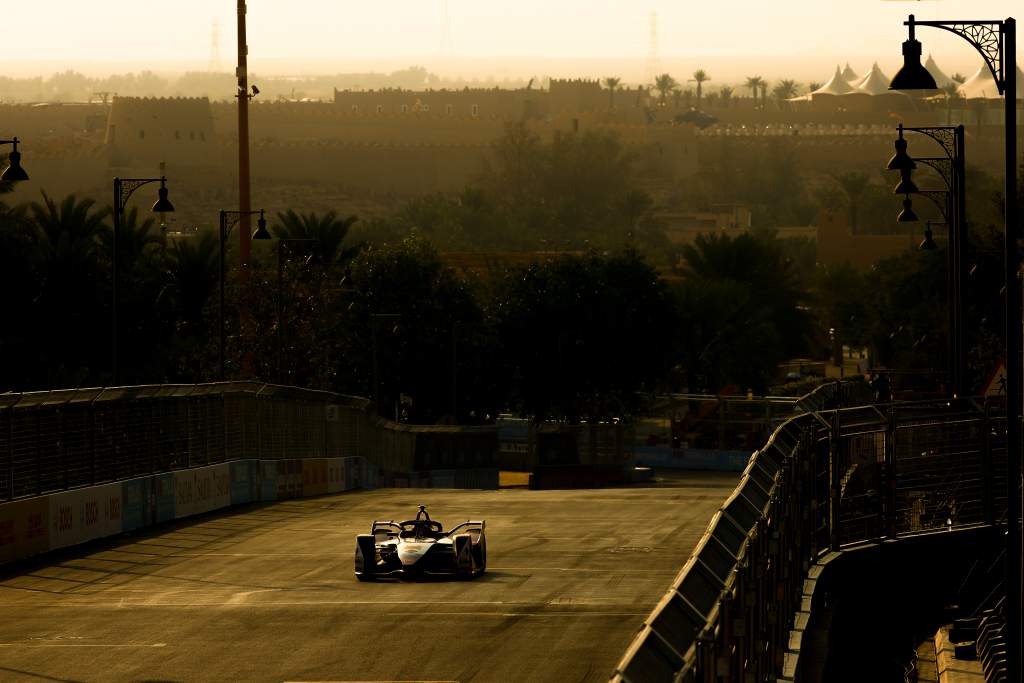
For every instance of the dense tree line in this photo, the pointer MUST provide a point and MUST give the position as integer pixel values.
(575, 335)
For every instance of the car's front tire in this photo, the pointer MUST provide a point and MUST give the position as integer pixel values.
(365, 557)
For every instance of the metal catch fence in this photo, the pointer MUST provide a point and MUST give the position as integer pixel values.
(56, 440)
(823, 480)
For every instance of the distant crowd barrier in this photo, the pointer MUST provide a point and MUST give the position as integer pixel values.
(826, 479)
(57, 520)
(76, 465)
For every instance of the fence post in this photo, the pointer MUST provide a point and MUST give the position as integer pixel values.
(987, 508)
(890, 474)
(721, 423)
(39, 459)
(10, 452)
(63, 448)
(834, 479)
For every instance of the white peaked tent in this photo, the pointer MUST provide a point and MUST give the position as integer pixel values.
(941, 79)
(982, 86)
(850, 75)
(875, 82)
(837, 86)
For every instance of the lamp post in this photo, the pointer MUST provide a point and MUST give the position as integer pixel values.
(14, 172)
(951, 168)
(996, 41)
(228, 219)
(123, 189)
(281, 241)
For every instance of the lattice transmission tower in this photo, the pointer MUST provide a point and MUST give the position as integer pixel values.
(214, 66)
(653, 69)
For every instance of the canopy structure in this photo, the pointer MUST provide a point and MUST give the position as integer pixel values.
(875, 82)
(836, 86)
(941, 79)
(982, 86)
(850, 75)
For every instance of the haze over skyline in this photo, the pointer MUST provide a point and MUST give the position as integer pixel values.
(500, 38)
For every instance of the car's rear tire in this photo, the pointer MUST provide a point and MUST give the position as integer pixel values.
(481, 555)
(465, 562)
(365, 557)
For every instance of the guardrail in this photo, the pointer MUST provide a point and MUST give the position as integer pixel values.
(824, 479)
(59, 440)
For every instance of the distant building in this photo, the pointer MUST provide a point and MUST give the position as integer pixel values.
(144, 131)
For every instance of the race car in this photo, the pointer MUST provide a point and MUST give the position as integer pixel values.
(419, 547)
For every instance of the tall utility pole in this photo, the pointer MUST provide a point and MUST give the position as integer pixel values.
(244, 207)
(244, 232)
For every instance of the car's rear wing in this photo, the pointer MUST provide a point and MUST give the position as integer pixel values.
(388, 526)
(477, 525)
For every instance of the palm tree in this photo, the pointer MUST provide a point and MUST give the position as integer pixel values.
(700, 76)
(784, 90)
(69, 324)
(665, 84)
(726, 92)
(764, 94)
(813, 85)
(326, 230)
(853, 184)
(194, 269)
(612, 82)
(754, 83)
(958, 77)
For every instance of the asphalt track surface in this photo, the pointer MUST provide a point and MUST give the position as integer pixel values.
(266, 593)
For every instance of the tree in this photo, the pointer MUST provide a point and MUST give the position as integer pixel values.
(665, 85)
(327, 232)
(700, 76)
(726, 92)
(752, 270)
(853, 185)
(70, 294)
(813, 85)
(754, 83)
(611, 83)
(784, 90)
(582, 334)
(414, 350)
(958, 78)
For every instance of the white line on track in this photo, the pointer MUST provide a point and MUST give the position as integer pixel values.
(122, 645)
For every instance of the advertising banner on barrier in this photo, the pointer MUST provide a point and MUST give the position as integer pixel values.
(24, 529)
(201, 489)
(84, 514)
(245, 481)
(137, 508)
(314, 476)
(162, 497)
(268, 479)
(335, 475)
(289, 479)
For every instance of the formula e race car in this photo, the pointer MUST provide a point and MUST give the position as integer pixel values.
(420, 547)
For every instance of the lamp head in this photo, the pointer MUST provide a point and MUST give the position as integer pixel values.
(906, 185)
(900, 160)
(163, 205)
(14, 172)
(261, 229)
(928, 243)
(907, 215)
(912, 75)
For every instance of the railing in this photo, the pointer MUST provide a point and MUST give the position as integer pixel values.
(825, 479)
(57, 440)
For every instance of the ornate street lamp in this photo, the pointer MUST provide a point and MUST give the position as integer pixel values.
(14, 172)
(228, 220)
(123, 189)
(996, 41)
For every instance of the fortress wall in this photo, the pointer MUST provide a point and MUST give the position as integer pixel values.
(147, 130)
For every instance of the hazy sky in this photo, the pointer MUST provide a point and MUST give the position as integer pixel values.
(137, 33)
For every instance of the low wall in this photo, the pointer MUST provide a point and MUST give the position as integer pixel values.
(691, 458)
(39, 524)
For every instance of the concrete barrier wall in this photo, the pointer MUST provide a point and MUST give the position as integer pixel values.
(58, 520)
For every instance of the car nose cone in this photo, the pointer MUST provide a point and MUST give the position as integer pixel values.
(410, 553)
